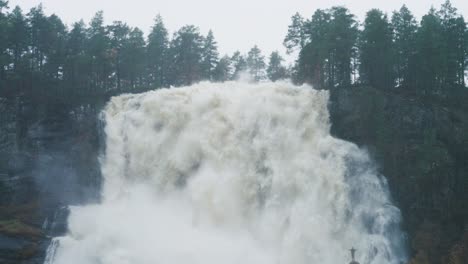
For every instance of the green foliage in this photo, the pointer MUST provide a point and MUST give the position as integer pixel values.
(18, 40)
(43, 60)
(256, 63)
(118, 40)
(313, 57)
(297, 34)
(429, 53)
(4, 57)
(429, 59)
(404, 36)
(76, 71)
(133, 59)
(99, 52)
(239, 64)
(454, 45)
(186, 56)
(157, 54)
(326, 59)
(209, 56)
(342, 35)
(276, 70)
(223, 70)
(376, 51)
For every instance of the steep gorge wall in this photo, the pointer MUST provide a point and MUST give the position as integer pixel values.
(48, 159)
(421, 146)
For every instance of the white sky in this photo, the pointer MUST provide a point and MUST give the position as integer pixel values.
(237, 24)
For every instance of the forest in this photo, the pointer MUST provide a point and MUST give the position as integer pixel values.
(41, 57)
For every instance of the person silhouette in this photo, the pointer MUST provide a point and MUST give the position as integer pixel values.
(353, 261)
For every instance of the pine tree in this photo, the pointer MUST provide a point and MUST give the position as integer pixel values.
(38, 32)
(55, 54)
(4, 56)
(276, 71)
(454, 48)
(77, 73)
(256, 64)
(326, 61)
(186, 56)
(239, 65)
(297, 34)
(18, 40)
(313, 65)
(377, 58)
(404, 30)
(222, 72)
(462, 50)
(98, 52)
(133, 58)
(341, 37)
(157, 54)
(118, 37)
(209, 56)
(430, 54)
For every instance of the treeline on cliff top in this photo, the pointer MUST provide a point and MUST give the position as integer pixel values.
(41, 58)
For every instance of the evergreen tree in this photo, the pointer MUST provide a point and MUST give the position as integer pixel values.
(256, 63)
(377, 58)
(118, 37)
(37, 51)
(18, 40)
(77, 73)
(462, 50)
(133, 58)
(340, 38)
(312, 66)
(239, 65)
(157, 54)
(98, 52)
(222, 72)
(276, 70)
(454, 47)
(39, 33)
(297, 34)
(430, 54)
(404, 29)
(47, 41)
(55, 54)
(186, 56)
(326, 61)
(4, 56)
(209, 56)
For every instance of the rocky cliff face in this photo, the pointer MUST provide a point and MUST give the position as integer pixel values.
(48, 159)
(421, 146)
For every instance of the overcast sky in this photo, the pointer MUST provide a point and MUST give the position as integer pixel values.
(237, 24)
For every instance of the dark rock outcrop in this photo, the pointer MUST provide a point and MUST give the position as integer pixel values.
(48, 160)
(421, 146)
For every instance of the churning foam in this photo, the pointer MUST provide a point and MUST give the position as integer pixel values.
(231, 173)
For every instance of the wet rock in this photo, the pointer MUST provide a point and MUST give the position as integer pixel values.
(421, 146)
(48, 159)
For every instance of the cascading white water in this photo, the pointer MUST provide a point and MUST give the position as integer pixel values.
(231, 173)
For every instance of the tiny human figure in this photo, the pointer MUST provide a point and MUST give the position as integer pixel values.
(353, 251)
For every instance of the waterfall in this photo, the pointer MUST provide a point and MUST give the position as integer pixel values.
(231, 173)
